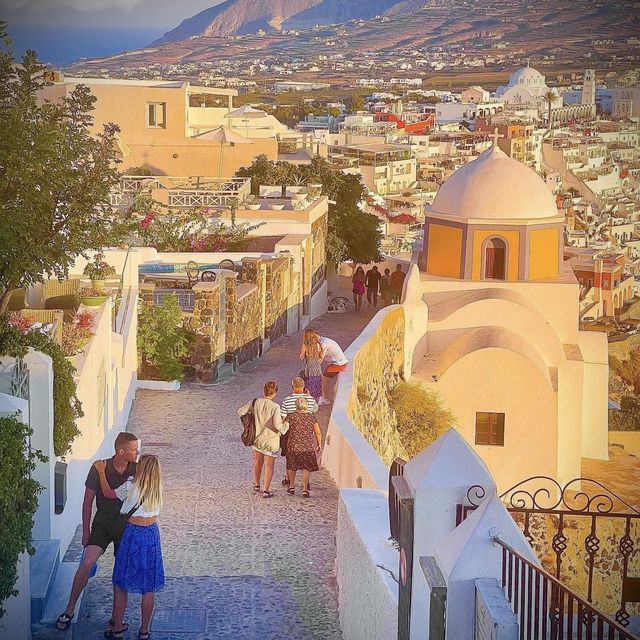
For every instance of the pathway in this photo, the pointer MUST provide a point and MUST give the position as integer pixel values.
(238, 567)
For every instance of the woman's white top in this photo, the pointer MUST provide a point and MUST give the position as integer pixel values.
(129, 495)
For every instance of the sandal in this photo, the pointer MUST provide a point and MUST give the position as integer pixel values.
(305, 494)
(144, 636)
(112, 624)
(64, 621)
(256, 488)
(114, 635)
(291, 491)
(267, 494)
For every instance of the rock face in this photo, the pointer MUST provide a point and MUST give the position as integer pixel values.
(248, 16)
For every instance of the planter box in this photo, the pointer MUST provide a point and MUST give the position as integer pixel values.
(94, 301)
(159, 385)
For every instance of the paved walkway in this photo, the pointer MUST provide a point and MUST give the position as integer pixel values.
(238, 567)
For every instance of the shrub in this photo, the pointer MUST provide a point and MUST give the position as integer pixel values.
(66, 406)
(628, 418)
(85, 320)
(162, 342)
(421, 416)
(74, 338)
(18, 499)
(99, 269)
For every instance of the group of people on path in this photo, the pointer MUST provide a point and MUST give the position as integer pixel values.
(127, 489)
(291, 428)
(388, 285)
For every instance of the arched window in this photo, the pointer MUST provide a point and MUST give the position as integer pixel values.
(495, 259)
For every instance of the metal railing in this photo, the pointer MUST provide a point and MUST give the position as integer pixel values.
(546, 608)
(190, 191)
(397, 469)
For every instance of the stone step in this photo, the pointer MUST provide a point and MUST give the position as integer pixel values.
(225, 372)
(43, 566)
(59, 595)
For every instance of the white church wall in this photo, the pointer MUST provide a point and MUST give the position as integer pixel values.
(502, 381)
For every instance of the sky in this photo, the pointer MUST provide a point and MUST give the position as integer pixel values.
(143, 14)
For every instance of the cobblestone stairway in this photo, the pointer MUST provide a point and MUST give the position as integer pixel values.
(238, 567)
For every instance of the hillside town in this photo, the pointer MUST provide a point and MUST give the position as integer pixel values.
(422, 295)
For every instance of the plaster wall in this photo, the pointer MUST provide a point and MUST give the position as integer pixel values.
(630, 440)
(505, 382)
(367, 594)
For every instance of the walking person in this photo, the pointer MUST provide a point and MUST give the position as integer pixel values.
(357, 281)
(337, 362)
(266, 446)
(304, 443)
(312, 354)
(138, 567)
(397, 282)
(385, 288)
(288, 406)
(108, 523)
(372, 281)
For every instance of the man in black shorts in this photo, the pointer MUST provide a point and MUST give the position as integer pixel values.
(108, 524)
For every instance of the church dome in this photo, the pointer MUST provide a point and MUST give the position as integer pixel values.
(495, 187)
(526, 73)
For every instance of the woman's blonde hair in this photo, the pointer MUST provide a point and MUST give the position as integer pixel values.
(147, 483)
(312, 343)
(302, 404)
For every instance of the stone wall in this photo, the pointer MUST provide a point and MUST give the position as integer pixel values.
(377, 368)
(278, 277)
(319, 253)
(243, 322)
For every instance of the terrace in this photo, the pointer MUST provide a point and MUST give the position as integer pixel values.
(183, 192)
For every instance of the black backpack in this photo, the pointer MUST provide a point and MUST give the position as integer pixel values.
(248, 420)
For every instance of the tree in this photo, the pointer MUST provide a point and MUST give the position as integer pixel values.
(18, 499)
(55, 177)
(353, 234)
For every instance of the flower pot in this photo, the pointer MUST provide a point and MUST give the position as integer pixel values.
(98, 285)
(93, 301)
(297, 197)
(277, 207)
(253, 207)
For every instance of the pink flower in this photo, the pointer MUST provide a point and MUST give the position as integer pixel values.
(146, 222)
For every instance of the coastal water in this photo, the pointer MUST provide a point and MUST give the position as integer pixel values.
(61, 45)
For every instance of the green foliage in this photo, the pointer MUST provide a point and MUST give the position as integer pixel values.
(353, 234)
(98, 269)
(628, 418)
(152, 224)
(138, 171)
(55, 177)
(66, 406)
(162, 342)
(18, 499)
(422, 418)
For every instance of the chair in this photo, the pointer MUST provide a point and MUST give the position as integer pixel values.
(48, 316)
(17, 300)
(62, 295)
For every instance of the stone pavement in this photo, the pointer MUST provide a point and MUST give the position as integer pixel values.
(238, 567)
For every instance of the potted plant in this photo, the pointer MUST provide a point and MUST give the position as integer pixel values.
(98, 271)
(91, 297)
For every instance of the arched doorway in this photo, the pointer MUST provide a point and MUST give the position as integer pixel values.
(495, 259)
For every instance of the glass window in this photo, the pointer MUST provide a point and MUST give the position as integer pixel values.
(490, 428)
(156, 114)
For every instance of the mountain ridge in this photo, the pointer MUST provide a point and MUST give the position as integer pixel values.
(241, 17)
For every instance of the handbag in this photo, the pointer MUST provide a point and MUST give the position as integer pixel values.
(304, 372)
(248, 420)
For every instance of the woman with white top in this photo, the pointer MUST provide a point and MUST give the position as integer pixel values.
(269, 427)
(138, 567)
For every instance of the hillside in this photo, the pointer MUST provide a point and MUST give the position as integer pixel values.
(237, 17)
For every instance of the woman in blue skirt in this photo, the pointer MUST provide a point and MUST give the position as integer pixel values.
(138, 567)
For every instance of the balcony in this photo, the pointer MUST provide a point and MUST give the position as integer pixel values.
(183, 192)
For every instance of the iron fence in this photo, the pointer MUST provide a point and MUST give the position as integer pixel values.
(546, 608)
(566, 527)
(397, 469)
(185, 297)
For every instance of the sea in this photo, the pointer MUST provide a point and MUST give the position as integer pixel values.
(62, 45)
